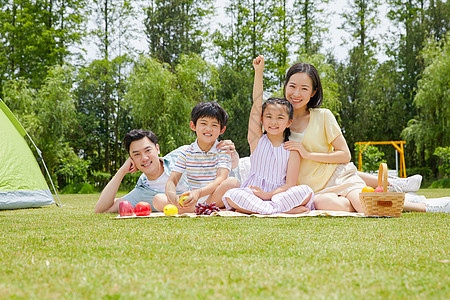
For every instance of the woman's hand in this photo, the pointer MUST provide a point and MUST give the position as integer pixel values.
(260, 193)
(227, 145)
(297, 146)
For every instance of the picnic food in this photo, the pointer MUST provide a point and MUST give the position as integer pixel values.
(170, 210)
(379, 189)
(182, 199)
(142, 209)
(205, 208)
(368, 189)
(126, 209)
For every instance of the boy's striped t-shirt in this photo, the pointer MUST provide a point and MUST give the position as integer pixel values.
(200, 166)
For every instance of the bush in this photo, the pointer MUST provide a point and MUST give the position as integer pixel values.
(372, 157)
(129, 181)
(441, 184)
(78, 188)
(426, 172)
(444, 159)
(100, 179)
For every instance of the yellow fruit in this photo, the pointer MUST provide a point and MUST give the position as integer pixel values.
(170, 210)
(182, 199)
(368, 189)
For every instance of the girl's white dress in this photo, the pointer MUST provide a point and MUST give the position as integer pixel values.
(268, 172)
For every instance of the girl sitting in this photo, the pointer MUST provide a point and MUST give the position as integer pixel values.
(272, 184)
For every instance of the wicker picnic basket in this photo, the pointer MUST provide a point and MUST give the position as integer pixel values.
(382, 203)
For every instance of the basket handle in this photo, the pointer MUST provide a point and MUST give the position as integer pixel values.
(382, 176)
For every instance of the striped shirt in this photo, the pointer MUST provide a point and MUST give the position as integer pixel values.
(200, 166)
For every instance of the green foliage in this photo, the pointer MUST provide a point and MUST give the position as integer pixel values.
(36, 35)
(129, 181)
(426, 172)
(176, 27)
(372, 157)
(20, 99)
(235, 96)
(162, 101)
(102, 112)
(70, 169)
(430, 128)
(310, 17)
(443, 183)
(444, 160)
(113, 28)
(78, 188)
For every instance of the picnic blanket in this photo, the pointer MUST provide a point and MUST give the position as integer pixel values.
(224, 213)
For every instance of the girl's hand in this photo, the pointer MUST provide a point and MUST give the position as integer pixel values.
(260, 193)
(258, 63)
(297, 146)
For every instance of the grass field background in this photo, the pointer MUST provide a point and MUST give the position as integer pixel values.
(71, 252)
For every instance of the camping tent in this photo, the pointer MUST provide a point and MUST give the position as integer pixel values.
(22, 184)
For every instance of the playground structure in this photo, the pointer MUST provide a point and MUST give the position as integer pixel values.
(398, 145)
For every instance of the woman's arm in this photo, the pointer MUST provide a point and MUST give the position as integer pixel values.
(340, 155)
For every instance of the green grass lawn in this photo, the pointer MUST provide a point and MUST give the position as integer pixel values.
(71, 252)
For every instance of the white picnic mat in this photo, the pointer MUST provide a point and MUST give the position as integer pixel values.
(313, 213)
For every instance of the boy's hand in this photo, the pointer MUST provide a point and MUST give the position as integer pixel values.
(192, 198)
(258, 63)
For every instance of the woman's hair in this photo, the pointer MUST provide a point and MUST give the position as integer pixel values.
(316, 100)
(289, 111)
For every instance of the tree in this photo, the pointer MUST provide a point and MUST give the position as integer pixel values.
(357, 74)
(309, 26)
(430, 127)
(162, 100)
(418, 20)
(102, 113)
(176, 27)
(48, 115)
(244, 38)
(36, 35)
(235, 96)
(114, 27)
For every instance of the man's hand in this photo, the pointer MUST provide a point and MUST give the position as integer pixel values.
(128, 167)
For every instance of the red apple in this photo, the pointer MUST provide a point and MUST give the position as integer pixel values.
(379, 189)
(126, 209)
(142, 209)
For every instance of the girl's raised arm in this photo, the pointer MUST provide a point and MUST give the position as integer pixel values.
(254, 123)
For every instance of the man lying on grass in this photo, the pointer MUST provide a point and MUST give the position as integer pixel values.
(143, 148)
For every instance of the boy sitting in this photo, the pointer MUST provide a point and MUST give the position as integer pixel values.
(206, 167)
